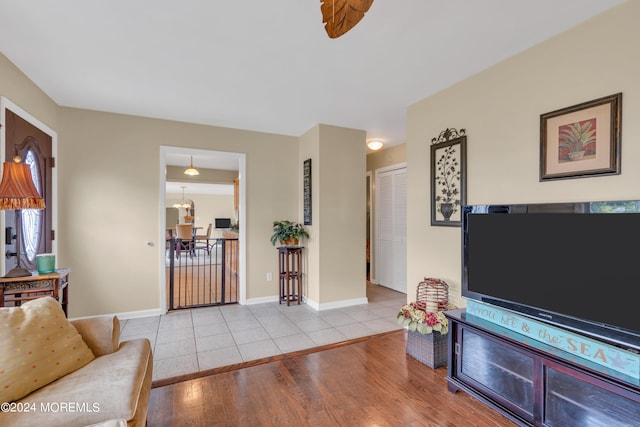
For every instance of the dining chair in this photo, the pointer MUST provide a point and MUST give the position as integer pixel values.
(185, 239)
(203, 240)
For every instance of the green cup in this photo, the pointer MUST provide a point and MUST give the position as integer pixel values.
(46, 263)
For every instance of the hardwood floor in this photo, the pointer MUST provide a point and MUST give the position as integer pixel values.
(202, 285)
(371, 382)
(198, 280)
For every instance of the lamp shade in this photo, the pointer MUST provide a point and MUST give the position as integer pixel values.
(17, 190)
(182, 203)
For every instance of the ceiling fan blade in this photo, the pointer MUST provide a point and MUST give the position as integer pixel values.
(340, 16)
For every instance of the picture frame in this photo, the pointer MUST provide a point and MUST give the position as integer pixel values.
(582, 140)
(306, 190)
(448, 177)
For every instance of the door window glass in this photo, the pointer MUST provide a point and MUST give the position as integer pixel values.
(32, 218)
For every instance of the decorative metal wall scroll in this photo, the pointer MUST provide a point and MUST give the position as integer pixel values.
(448, 177)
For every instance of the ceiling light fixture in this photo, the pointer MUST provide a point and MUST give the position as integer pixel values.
(182, 203)
(375, 145)
(191, 170)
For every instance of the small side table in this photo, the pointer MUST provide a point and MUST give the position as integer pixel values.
(290, 268)
(16, 290)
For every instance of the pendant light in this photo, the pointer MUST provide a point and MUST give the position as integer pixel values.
(182, 203)
(191, 170)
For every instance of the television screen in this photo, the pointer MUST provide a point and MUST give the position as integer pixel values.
(223, 222)
(572, 264)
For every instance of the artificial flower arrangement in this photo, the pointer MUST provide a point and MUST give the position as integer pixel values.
(415, 318)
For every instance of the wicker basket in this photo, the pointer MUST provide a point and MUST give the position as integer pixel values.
(430, 349)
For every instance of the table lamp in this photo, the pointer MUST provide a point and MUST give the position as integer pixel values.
(17, 192)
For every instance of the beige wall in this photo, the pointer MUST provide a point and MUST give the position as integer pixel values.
(310, 149)
(121, 195)
(342, 218)
(207, 206)
(387, 157)
(22, 92)
(500, 109)
(336, 249)
(109, 197)
(110, 200)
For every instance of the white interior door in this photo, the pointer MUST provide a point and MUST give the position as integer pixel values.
(391, 214)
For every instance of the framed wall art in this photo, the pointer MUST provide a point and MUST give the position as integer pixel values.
(306, 190)
(448, 177)
(582, 140)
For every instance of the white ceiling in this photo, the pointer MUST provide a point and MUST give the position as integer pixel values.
(269, 65)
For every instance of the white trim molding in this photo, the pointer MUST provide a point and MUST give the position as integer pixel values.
(336, 304)
(242, 258)
(262, 300)
(125, 315)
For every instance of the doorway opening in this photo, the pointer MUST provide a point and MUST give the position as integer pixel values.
(225, 248)
(37, 144)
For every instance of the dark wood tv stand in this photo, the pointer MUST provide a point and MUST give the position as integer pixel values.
(530, 383)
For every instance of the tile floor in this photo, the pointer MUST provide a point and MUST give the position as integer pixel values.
(188, 341)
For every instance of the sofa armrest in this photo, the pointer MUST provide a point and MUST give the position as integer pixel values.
(102, 334)
(111, 423)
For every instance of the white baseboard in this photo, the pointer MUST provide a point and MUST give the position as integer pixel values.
(127, 314)
(262, 300)
(252, 301)
(336, 304)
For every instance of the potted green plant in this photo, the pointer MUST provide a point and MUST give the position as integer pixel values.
(287, 232)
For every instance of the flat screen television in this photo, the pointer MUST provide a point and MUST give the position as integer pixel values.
(575, 265)
(223, 222)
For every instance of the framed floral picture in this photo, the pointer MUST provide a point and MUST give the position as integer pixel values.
(448, 177)
(306, 191)
(582, 140)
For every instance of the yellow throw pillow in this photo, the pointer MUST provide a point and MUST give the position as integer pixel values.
(38, 345)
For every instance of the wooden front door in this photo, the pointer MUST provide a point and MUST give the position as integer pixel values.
(34, 147)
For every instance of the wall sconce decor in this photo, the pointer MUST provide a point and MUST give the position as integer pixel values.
(448, 177)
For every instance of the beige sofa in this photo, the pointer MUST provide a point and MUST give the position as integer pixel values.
(111, 390)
